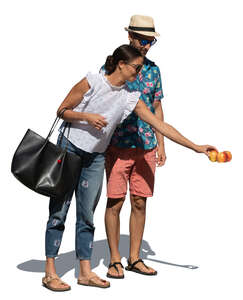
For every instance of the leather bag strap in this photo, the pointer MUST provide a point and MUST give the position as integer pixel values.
(67, 124)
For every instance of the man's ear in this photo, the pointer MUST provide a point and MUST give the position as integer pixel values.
(130, 36)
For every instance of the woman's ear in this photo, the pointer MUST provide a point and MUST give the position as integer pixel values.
(121, 64)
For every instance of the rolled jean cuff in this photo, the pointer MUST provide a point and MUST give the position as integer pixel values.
(82, 257)
(51, 255)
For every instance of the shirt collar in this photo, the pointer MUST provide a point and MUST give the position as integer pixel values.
(146, 64)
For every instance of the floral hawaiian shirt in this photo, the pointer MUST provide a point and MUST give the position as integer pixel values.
(133, 132)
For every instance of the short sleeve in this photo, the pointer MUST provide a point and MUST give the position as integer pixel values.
(158, 93)
(132, 100)
(91, 79)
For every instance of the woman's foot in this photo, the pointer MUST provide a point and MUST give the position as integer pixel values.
(115, 270)
(93, 279)
(54, 283)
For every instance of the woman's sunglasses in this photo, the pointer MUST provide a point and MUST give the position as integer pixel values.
(137, 68)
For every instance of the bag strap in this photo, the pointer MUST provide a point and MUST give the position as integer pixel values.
(67, 125)
(56, 122)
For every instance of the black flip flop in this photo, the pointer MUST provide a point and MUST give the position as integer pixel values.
(114, 266)
(131, 267)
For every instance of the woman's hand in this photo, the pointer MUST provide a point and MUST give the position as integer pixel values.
(96, 120)
(205, 149)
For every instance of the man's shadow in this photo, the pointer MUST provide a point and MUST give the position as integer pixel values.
(67, 261)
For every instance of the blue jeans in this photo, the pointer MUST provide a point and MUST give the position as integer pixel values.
(87, 192)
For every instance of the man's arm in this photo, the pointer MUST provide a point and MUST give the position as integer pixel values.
(161, 156)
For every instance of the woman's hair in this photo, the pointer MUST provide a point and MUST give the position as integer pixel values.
(125, 53)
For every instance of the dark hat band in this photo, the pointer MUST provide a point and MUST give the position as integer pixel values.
(152, 29)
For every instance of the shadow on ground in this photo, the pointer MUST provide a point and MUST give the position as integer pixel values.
(67, 261)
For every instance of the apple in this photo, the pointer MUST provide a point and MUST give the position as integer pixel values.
(213, 155)
(228, 155)
(221, 157)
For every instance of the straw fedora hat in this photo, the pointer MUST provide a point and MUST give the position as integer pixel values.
(143, 25)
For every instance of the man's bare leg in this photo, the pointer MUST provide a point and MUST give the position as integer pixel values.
(112, 225)
(137, 224)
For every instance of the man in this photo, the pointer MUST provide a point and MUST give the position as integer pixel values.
(132, 156)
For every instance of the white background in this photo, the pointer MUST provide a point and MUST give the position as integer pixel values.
(195, 216)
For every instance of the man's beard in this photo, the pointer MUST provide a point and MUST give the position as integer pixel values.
(141, 49)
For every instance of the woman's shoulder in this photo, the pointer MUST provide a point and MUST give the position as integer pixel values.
(93, 78)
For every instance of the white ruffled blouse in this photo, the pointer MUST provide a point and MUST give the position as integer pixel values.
(114, 103)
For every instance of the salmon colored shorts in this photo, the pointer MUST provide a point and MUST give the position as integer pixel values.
(133, 165)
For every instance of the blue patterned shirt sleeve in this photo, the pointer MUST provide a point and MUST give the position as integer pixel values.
(158, 93)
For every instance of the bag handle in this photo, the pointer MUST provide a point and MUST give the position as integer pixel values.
(56, 122)
(67, 124)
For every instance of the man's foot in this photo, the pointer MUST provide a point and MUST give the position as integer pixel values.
(54, 283)
(138, 266)
(93, 280)
(115, 270)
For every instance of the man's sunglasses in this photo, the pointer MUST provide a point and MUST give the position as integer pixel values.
(144, 42)
(137, 68)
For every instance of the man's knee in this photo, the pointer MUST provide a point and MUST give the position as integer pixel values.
(115, 205)
(138, 203)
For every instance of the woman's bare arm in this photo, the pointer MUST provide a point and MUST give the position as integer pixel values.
(167, 130)
(74, 97)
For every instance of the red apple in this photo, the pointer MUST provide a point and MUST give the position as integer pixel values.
(221, 157)
(228, 155)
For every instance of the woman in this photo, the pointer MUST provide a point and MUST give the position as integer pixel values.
(95, 106)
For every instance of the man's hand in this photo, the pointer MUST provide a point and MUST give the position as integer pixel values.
(160, 156)
(96, 120)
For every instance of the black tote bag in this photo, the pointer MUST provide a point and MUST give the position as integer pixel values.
(44, 167)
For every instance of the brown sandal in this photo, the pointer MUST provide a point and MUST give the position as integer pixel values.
(49, 278)
(92, 282)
